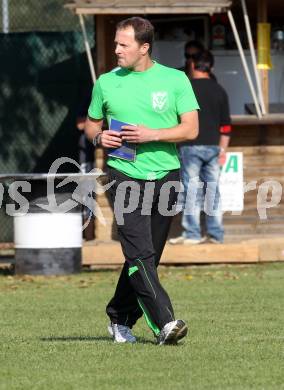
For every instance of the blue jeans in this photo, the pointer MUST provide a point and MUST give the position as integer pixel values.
(200, 176)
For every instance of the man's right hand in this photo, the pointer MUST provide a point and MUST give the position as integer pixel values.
(110, 139)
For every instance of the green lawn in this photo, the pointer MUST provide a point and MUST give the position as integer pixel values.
(53, 332)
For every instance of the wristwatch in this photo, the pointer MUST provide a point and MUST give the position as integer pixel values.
(97, 139)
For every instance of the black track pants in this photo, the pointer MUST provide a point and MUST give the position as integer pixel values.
(142, 238)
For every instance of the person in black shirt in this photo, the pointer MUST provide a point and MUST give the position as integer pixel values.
(191, 48)
(202, 158)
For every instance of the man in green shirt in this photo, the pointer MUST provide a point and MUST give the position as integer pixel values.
(161, 105)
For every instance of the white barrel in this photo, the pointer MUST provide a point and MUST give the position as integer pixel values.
(43, 230)
(47, 242)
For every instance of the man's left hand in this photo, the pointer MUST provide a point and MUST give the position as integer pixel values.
(137, 134)
(80, 123)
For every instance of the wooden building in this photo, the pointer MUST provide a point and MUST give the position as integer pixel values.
(259, 137)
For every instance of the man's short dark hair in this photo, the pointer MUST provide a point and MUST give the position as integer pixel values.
(193, 44)
(143, 30)
(203, 61)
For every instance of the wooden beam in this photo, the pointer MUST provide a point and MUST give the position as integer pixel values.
(140, 10)
(262, 11)
(249, 251)
(271, 249)
(271, 119)
(264, 76)
(111, 254)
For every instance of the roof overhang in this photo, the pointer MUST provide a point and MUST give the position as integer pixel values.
(104, 7)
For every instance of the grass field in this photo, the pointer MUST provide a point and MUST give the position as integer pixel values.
(53, 332)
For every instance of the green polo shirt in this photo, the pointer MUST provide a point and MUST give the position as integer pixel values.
(154, 98)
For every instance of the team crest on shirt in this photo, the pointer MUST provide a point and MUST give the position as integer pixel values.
(160, 101)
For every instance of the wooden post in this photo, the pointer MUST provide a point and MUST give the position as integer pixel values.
(262, 18)
(100, 26)
(105, 32)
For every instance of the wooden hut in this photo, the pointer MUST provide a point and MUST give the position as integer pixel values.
(260, 138)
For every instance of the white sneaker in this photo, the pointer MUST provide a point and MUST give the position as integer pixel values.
(121, 333)
(176, 240)
(212, 240)
(192, 241)
(186, 241)
(110, 331)
(172, 332)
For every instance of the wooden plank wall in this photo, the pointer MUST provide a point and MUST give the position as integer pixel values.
(263, 161)
(265, 166)
(263, 148)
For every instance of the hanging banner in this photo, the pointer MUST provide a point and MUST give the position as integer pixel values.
(263, 46)
(231, 182)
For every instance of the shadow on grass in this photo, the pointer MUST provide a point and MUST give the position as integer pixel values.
(76, 338)
(140, 340)
(7, 271)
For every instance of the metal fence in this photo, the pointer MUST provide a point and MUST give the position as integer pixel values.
(43, 75)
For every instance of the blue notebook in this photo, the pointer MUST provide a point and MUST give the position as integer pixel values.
(126, 151)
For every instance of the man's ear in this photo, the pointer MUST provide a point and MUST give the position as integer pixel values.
(145, 48)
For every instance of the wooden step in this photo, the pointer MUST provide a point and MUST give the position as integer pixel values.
(248, 251)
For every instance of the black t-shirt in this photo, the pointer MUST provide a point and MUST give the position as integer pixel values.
(213, 113)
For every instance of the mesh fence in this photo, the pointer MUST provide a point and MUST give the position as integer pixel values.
(43, 76)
